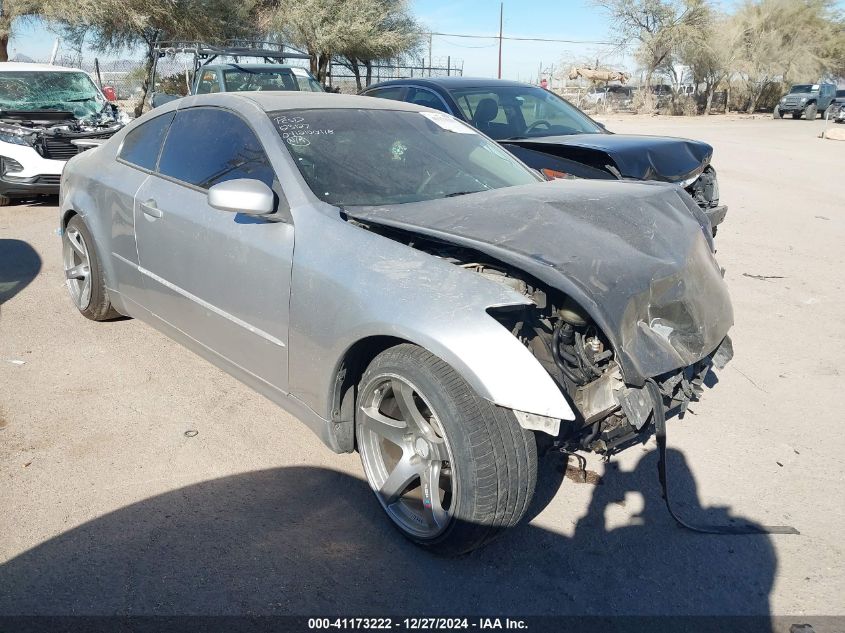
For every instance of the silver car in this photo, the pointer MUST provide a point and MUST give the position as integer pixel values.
(404, 286)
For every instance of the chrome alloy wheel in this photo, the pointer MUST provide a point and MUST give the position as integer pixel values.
(77, 265)
(406, 456)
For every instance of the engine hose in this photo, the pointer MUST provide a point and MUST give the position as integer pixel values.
(566, 371)
(660, 434)
(582, 353)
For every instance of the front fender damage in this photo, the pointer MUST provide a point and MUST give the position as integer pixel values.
(623, 289)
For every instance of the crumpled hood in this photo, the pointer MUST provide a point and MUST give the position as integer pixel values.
(635, 156)
(636, 256)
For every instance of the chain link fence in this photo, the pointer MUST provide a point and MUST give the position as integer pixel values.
(341, 77)
(174, 73)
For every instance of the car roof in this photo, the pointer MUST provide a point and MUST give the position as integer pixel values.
(27, 67)
(262, 66)
(273, 100)
(452, 83)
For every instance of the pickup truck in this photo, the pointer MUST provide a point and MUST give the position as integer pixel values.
(210, 74)
(246, 78)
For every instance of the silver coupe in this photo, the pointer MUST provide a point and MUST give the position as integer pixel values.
(404, 286)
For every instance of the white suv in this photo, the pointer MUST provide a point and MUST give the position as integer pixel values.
(48, 114)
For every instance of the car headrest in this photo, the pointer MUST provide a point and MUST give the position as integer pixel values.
(486, 111)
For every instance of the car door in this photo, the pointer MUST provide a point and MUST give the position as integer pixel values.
(136, 160)
(221, 278)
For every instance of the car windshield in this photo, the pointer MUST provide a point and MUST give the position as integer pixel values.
(511, 112)
(245, 79)
(801, 88)
(353, 157)
(50, 90)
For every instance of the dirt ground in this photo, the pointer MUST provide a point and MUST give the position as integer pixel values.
(108, 506)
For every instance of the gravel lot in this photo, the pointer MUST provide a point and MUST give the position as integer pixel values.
(106, 506)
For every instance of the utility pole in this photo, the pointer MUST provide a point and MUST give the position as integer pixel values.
(430, 37)
(501, 16)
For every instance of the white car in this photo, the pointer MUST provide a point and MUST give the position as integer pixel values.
(48, 114)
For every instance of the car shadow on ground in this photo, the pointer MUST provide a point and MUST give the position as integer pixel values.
(305, 540)
(19, 265)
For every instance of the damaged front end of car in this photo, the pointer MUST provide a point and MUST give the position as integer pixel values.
(623, 292)
(59, 135)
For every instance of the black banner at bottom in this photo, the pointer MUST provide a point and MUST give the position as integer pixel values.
(532, 624)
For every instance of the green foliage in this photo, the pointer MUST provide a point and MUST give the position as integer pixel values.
(12, 13)
(360, 30)
(172, 84)
(112, 25)
(763, 43)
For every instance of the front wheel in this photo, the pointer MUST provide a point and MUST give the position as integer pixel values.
(450, 469)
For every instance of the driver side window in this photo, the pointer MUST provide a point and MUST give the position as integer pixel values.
(206, 146)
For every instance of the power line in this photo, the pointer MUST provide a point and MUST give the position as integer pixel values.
(521, 39)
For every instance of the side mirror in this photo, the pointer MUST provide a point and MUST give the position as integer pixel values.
(601, 125)
(242, 195)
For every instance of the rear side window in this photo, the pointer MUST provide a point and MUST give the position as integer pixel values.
(391, 92)
(207, 146)
(423, 97)
(142, 145)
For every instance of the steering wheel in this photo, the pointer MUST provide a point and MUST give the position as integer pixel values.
(538, 122)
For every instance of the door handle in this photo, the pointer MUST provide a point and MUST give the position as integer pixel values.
(151, 210)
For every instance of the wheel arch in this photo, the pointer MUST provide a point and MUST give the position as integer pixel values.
(483, 377)
(66, 216)
(347, 374)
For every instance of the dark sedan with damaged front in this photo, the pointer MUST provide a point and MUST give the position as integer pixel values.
(550, 134)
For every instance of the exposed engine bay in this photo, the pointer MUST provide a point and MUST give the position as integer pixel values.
(611, 414)
(57, 134)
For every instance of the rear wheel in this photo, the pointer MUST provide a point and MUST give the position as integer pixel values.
(450, 469)
(810, 112)
(83, 273)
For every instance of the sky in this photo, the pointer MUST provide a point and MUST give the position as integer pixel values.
(545, 19)
(554, 19)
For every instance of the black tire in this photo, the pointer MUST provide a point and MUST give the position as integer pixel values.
(5, 201)
(810, 112)
(97, 307)
(796, 115)
(493, 461)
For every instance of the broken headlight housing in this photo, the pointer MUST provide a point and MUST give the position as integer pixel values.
(15, 135)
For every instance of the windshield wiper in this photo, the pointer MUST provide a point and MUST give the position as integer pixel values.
(455, 194)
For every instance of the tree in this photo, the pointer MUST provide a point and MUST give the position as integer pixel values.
(378, 29)
(11, 14)
(785, 40)
(359, 30)
(712, 57)
(114, 25)
(658, 27)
